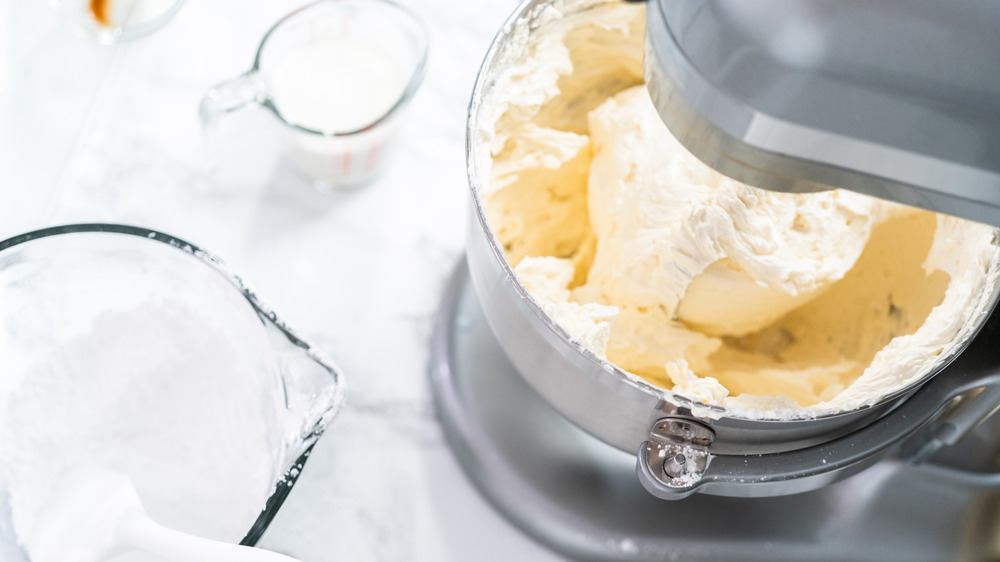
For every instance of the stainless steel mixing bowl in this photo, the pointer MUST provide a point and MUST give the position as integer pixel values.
(615, 406)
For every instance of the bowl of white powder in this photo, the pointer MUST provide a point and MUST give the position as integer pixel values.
(131, 350)
(627, 280)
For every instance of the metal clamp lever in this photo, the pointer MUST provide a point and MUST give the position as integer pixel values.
(960, 415)
(674, 459)
(811, 468)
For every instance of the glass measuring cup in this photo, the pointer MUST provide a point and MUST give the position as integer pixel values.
(337, 75)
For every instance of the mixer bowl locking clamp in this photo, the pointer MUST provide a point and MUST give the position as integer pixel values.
(675, 462)
(675, 457)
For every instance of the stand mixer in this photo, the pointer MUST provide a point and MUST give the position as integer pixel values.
(804, 96)
(790, 96)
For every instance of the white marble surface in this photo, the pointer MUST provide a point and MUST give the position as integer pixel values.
(96, 133)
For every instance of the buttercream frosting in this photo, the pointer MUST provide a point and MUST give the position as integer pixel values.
(727, 294)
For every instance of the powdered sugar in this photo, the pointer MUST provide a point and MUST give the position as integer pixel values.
(176, 388)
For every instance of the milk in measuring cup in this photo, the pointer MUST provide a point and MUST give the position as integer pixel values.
(337, 84)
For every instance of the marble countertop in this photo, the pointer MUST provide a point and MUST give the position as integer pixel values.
(92, 133)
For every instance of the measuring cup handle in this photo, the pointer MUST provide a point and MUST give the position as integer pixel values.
(226, 97)
(229, 96)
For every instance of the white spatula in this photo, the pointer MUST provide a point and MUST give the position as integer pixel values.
(95, 513)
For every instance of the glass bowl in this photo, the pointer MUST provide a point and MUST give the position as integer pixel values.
(90, 269)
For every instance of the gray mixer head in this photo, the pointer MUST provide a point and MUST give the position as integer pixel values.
(899, 99)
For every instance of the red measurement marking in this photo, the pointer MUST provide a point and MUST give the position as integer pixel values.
(345, 164)
(372, 154)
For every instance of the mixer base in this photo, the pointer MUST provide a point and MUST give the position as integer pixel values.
(580, 497)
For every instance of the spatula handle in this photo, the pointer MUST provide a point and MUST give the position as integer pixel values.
(139, 531)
